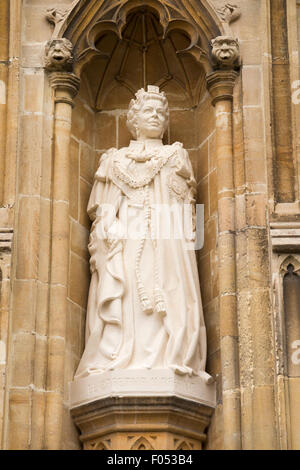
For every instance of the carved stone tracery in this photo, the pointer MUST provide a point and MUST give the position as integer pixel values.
(285, 243)
(293, 260)
(142, 444)
(175, 35)
(108, 23)
(113, 17)
(124, 423)
(127, 61)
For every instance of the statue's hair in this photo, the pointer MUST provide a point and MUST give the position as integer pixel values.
(136, 105)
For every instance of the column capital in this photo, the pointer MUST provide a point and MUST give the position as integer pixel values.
(226, 63)
(66, 86)
(220, 85)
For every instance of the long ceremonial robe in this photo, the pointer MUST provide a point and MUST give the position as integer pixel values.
(120, 332)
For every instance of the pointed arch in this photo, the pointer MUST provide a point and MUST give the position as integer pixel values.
(142, 444)
(102, 41)
(184, 445)
(291, 301)
(290, 259)
(90, 18)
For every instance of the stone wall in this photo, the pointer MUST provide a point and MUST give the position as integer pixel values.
(82, 168)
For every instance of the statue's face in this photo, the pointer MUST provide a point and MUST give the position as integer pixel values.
(151, 120)
(59, 53)
(225, 50)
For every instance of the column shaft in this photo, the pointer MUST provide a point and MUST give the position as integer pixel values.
(65, 85)
(220, 85)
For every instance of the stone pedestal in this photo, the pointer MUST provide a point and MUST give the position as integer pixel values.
(142, 410)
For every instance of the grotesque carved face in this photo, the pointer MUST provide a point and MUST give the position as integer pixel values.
(59, 54)
(225, 51)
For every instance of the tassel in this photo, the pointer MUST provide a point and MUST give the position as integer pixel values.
(160, 306)
(147, 307)
(144, 299)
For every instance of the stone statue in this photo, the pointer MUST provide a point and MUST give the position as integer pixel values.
(59, 55)
(225, 53)
(144, 307)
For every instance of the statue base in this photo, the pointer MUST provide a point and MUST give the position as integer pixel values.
(142, 410)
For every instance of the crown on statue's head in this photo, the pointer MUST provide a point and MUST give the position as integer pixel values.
(136, 105)
(152, 91)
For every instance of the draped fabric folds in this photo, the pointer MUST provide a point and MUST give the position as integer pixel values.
(144, 307)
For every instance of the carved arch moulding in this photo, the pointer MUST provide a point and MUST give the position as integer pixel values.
(178, 33)
(87, 20)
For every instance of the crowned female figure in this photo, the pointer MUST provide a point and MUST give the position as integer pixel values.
(144, 306)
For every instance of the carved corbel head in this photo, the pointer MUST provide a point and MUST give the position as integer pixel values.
(229, 13)
(225, 53)
(59, 55)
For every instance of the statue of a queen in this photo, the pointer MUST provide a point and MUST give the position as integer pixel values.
(144, 306)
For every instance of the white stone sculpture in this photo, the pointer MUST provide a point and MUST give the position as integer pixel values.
(144, 307)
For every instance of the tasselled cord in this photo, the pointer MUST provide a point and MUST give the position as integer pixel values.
(147, 306)
(144, 298)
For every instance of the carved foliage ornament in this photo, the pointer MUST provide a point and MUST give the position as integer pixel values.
(55, 16)
(59, 55)
(225, 53)
(229, 13)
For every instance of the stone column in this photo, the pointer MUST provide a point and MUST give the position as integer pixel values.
(59, 61)
(14, 11)
(220, 84)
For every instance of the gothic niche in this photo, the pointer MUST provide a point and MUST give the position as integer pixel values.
(141, 57)
(291, 296)
(115, 56)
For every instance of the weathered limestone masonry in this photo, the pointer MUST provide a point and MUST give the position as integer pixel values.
(283, 166)
(9, 116)
(4, 54)
(59, 62)
(230, 71)
(220, 85)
